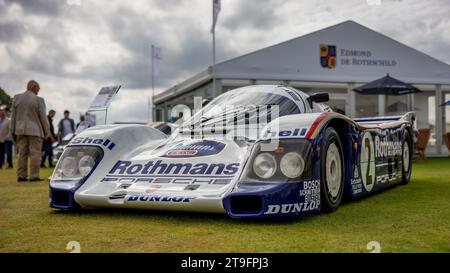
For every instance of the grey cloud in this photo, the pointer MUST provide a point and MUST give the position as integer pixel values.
(11, 31)
(3, 7)
(133, 114)
(41, 7)
(194, 57)
(253, 14)
(438, 49)
(83, 92)
(136, 36)
(52, 53)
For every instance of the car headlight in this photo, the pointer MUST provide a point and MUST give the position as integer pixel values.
(86, 164)
(290, 161)
(77, 162)
(69, 166)
(292, 165)
(265, 165)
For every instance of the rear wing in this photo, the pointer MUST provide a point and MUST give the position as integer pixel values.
(409, 117)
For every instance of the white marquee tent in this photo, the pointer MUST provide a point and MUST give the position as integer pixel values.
(334, 60)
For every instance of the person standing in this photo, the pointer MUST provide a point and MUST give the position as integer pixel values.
(2, 143)
(6, 142)
(48, 143)
(65, 126)
(29, 126)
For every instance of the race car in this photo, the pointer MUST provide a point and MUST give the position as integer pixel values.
(255, 151)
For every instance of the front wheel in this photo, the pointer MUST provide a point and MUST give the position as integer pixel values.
(332, 171)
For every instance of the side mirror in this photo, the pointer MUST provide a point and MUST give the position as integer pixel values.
(319, 97)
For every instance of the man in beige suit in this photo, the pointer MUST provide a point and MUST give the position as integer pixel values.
(29, 126)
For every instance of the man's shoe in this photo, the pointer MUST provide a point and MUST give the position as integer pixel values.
(36, 179)
(20, 179)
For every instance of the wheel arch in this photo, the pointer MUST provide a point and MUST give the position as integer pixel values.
(412, 133)
(343, 128)
(340, 126)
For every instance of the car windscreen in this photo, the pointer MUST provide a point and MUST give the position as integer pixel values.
(245, 107)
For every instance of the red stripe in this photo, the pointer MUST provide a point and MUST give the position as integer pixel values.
(316, 123)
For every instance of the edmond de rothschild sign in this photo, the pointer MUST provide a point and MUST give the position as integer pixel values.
(331, 56)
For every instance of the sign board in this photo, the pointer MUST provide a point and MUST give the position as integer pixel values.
(104, 98)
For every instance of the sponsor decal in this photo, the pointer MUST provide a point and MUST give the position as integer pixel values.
(387, 148)
(311, 195)
(356, 185)
(367, 161)
(298, 132)
(159, 167)
(195, 149)
(97, 141)
(311, 191)
(291, 208)
(159, 198)
(388, 178)
(356, 181)
(181, 153)
(355, 172)
(377, 163)
(328, 56)
(168, 180)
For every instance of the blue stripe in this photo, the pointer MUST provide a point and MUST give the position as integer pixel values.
(377, 119)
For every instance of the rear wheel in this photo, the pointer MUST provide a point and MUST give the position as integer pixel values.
(332, 171)
(407, 155)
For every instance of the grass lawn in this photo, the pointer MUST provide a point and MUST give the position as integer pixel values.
(412, 218)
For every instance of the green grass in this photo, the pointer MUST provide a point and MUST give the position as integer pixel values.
(412, 218)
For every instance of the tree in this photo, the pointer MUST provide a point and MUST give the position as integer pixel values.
(5, 99)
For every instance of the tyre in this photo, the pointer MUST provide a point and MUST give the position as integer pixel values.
(331, 171)
(407, 154)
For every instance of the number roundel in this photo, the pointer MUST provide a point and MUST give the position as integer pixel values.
(367, 161)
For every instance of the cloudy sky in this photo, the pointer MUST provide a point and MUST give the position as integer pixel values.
(73, 47)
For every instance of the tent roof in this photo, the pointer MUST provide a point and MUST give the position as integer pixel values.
(369, 54)
(362, 55)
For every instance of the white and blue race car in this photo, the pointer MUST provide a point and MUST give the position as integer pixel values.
(276, 152)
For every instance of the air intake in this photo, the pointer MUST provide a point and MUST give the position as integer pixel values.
(246, 204)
